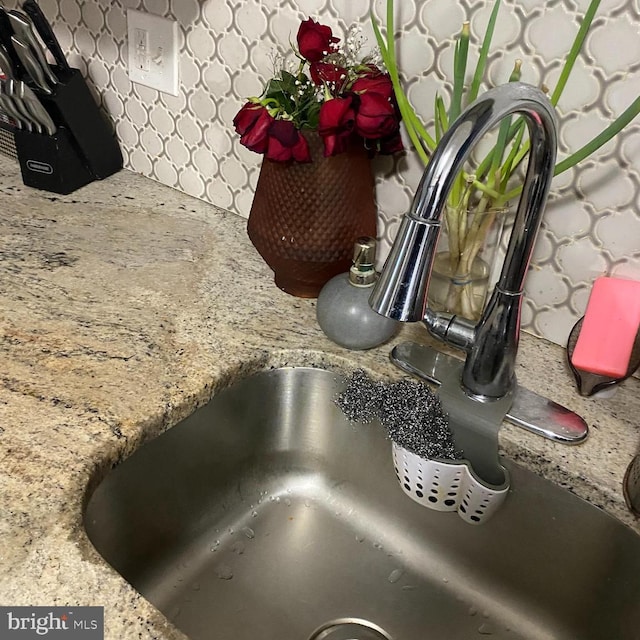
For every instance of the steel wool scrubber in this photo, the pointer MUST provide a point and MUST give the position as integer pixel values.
(430, 468)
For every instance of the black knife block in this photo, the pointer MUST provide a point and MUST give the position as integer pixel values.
(51, 163)
(82, 150)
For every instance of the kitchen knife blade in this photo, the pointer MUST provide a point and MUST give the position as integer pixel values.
(32, 66)
(6, 103)
(44, 28)
(35, 107)
(23, 29)
(6, 66)
(9, 90)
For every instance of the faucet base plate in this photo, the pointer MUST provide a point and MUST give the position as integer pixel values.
(529, 410)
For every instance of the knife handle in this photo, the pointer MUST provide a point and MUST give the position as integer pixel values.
(6, 31)
(23, 29)
(44, 29)
(31, 65)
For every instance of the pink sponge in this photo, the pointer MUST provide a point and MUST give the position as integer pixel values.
(609, 328)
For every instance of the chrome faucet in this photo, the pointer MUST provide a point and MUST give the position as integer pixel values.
(401, 293)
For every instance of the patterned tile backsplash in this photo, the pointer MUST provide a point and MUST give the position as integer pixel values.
(592, 222)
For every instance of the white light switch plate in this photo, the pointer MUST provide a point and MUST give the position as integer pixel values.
(153, 51)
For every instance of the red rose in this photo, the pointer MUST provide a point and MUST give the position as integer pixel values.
(335, 124)
(322, 72)
(380, 84)
(252, 122)
(286, 143)
(315, 40)
(376, 116)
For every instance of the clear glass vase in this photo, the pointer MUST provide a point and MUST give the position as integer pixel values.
(467, 261)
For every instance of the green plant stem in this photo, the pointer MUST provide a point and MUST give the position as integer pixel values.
(459, 70)
(576, 47)
(484, 53)
(629, 114)
(387, 51)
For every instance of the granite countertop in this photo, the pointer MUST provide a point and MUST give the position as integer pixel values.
(125, 305)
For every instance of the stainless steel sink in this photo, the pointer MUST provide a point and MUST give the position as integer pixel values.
(267, 516)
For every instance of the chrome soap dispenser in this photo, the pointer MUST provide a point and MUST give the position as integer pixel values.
(343, 310)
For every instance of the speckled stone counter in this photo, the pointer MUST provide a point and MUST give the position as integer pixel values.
(123, 307)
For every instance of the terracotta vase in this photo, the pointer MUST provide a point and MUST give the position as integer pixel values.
(305, 218)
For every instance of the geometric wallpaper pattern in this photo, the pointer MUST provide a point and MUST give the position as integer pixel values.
(592, 222)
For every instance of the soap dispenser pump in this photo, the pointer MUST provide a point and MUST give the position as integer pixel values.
(343, 309)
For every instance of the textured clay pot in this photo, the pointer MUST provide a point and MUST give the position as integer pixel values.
(305, 217)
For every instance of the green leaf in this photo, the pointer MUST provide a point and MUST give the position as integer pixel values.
(505, 126)
(441, 120)
(288, 81)
(576, 47)
(484, 53)
(602, 138)
(416, 132)
(459, 70)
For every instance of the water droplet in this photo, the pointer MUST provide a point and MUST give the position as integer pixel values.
(307, 503)
(445, 580)
(271, 498)
(409, 587)
(473, 611)
(287, 502)
(254, 514)
(485, 629)
(360, 538)
(231, 531)
(196, 586)
(249, 532)
(238, 547)
(278, 499)
(485, 614)
(395, 575)
(223, 572)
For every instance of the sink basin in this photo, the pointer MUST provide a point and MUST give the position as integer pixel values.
(266, 515)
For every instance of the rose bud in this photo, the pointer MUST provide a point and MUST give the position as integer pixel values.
(335, 124)
(315, 40)
(252, 122)
(286, 142)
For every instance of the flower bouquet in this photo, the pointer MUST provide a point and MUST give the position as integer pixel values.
(317, 124)
(330, 91)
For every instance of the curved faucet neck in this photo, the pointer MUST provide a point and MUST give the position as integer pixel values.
(401, 292)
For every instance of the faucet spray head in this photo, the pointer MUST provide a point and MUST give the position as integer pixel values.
(401, 292)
